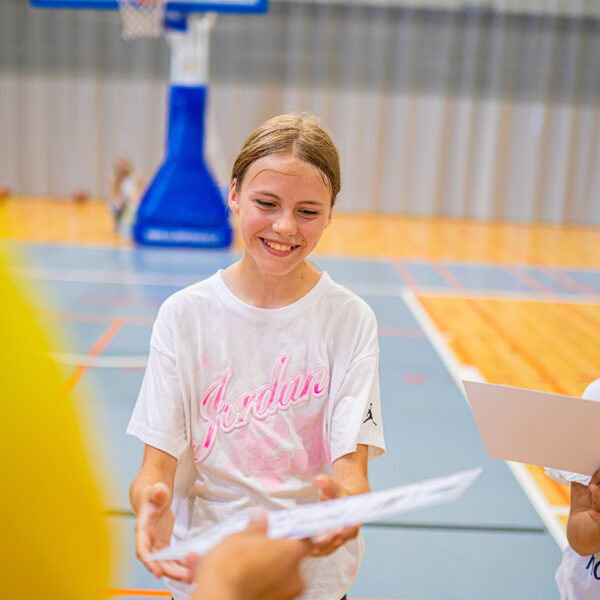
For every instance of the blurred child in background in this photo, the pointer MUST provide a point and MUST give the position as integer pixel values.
(125, 192)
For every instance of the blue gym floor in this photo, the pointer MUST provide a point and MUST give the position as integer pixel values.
(491, 544)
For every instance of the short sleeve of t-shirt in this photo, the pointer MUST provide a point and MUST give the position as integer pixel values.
(158, 418)
(356, 417)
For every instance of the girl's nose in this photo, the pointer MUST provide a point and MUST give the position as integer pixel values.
(285, 224)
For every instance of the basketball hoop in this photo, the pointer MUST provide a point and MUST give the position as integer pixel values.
(142, 18)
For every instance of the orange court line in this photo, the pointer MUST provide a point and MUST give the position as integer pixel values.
(165, 594)
(139, 593)
(86, 317)
(95, 350)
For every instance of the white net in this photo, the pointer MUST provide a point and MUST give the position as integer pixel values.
(142, 18)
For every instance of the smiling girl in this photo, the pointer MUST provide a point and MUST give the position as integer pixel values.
(261, 387)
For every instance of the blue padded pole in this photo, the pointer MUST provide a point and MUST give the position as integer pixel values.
(184, 206)
(186, 131)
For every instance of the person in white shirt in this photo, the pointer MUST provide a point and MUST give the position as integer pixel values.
(578, 576)
(262, 387)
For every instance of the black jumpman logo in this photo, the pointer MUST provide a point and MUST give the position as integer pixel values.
(370, 415)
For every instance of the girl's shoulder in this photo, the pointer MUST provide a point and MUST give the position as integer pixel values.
(341, 299)
(189, 297)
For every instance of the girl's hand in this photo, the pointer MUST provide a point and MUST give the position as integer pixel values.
(153, 530)
(327, 543)
(594, 492)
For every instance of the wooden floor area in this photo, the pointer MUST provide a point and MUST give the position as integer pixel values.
(542, 343)
(546, 346)
(351, 235)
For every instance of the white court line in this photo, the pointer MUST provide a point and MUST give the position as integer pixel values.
(540, 503)
(93, 276)
(458, 373)
(363, 289)
(477, 264)
(524, 296)
(110, 362)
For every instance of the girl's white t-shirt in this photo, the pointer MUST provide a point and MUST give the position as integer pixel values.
(254, 403)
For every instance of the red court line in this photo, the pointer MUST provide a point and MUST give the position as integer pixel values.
(531, 282)
(406, 275)
(414, 378)
(101, 343)
(401, 332)
(447, 275)
(569, 282)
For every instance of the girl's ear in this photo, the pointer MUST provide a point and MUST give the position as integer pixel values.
(232, 200)
(330, 215)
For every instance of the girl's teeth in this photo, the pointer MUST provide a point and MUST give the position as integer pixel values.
(278, 247)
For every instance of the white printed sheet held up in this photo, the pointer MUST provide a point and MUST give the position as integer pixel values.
(311, 519)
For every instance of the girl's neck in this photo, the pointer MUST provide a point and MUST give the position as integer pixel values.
(263, 290)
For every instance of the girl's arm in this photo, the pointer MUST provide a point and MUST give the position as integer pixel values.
(351, 472)
(350, 477)
(583, 527)
(150, 494)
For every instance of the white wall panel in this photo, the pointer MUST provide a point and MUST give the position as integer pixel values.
(484, 113)
(400, 154)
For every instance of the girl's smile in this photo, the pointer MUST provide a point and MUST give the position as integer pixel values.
(279, 248)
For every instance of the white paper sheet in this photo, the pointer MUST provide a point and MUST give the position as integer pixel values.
(538, 428)
(311, 519)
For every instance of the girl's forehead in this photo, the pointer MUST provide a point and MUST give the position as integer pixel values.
(285, 165)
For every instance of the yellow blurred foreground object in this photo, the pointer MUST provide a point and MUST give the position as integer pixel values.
(54, 538)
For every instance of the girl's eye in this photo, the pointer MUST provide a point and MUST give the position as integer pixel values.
(265, 203)
(308, 213)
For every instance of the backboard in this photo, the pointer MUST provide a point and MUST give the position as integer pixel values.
(185, 6)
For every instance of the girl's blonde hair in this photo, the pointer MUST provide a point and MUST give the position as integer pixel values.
(298, 134)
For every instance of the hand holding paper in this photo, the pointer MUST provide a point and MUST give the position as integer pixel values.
(312, 519)
(329, 542)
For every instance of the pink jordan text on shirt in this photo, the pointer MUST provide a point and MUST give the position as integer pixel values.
(226, 414)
